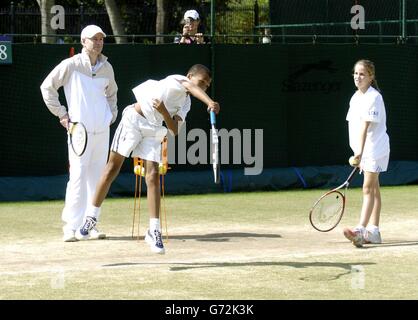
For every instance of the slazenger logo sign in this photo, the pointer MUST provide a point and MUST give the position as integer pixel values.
(296, 81)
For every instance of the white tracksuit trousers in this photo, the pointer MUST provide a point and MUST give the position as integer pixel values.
(85, 173)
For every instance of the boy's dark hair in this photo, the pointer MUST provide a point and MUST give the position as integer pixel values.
(199, 69)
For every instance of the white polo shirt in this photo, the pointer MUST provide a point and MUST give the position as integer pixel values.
(170, 91)
(364, 107)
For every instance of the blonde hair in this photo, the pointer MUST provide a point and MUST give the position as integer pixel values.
(369, 65)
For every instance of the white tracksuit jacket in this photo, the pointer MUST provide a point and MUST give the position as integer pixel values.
(91, 98)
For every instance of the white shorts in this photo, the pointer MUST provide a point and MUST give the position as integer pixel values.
(136, 137)
(375, 165)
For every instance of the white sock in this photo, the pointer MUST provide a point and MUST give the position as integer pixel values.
(93, 211)
(361, 229)
(372, 228)
(154, 224)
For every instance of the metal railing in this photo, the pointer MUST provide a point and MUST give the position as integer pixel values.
(139, 22)
(225, 38)
(281, 34)
(13, 24)
(132, 38)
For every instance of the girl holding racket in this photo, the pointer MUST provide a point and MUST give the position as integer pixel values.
(370, 144)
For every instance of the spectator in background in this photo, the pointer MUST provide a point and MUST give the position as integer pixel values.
(190, 33)
(267, 36)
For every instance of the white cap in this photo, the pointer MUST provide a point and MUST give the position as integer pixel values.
(193, 14)
(90, 31)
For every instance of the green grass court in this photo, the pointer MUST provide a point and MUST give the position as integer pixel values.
(256, 245)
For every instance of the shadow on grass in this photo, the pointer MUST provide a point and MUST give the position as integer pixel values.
(348, 267)
(211, 237)
(398, 243)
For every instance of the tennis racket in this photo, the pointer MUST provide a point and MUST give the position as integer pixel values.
(328, 210)
(78, 137)
(215, 149)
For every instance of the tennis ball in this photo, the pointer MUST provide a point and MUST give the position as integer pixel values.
(353, 161)
(137, 172)
(162, 169)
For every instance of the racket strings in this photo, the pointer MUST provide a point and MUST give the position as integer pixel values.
(78, 137)
(328, 211)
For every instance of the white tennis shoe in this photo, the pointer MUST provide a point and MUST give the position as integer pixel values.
(372, 237)
(95, 234)
(69, 236)
(83, 233)
(155, 241)
(355, 236)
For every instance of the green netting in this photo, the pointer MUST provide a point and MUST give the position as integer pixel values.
(329, 18)
(298, 96)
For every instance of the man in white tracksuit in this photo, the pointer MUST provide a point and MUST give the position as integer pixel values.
(91, 94)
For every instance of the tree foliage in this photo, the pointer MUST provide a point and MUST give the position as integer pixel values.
(139, 17)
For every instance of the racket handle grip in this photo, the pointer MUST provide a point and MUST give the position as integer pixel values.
(212, 118)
